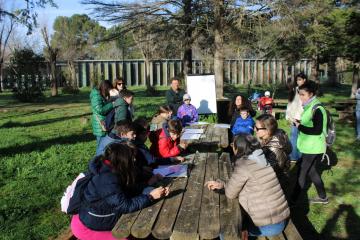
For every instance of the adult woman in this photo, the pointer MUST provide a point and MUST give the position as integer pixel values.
(100, 106)
(294, 110)
(110, 193)
(234, 108)
(311, 141)
(255, 183)
(276, 146)
(118, 85)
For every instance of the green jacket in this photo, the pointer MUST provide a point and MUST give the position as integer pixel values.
(99, 108)
(312, 144)
(174, 99)
(122, 111)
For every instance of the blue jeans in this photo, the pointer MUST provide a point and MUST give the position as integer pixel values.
(358, 124)
(98, 140)
(267, 230)
(295, 154)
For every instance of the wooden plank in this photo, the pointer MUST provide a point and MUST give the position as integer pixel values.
(167, 216)
(186, 225)
(230, 215)
(222, 136)
(277, 237)
(209, 222)
(145, 220)
(291, 232)
(122, 228)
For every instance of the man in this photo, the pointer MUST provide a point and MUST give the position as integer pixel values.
(174, 96)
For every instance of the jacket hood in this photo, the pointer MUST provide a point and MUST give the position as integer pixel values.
(95, 167)
(259, 157)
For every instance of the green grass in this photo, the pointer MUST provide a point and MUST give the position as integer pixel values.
(43, 146)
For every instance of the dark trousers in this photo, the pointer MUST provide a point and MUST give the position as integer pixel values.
(308, 166)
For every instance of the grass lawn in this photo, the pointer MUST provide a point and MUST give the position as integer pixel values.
(43, 146)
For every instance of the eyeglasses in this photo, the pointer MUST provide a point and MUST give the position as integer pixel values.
(187, 99)
(120, 84)
(257, 129)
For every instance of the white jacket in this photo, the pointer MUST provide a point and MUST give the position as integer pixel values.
(294, 109)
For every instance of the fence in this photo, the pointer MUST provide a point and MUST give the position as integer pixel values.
(236, 71)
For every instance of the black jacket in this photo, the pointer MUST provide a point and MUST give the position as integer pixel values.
(174, 99)
(105, 201)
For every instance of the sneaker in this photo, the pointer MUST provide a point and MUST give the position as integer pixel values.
(319, 200)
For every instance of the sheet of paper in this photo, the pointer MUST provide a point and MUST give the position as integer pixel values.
(194, 130)
(172, 170)
(222, 125)
(198, 123)
(190, 136)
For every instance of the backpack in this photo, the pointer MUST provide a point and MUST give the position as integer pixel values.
(73, 196)
(110, 120)
(330, 134)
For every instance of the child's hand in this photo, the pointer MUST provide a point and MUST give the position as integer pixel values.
(180, 159)
(212, 185)
(159, 192)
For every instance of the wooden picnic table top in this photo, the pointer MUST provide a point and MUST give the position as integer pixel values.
(190, 211)
(214, 137)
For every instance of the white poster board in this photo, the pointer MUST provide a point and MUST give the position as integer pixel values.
(202, 92)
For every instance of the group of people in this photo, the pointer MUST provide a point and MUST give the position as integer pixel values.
(123, 164)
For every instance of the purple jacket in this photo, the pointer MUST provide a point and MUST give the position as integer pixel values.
(187, 113)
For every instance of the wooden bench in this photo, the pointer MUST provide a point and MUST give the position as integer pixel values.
(190, 211)
(290, 233)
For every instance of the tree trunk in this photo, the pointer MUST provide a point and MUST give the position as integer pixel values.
(332, 73)
(147, 73)
(219, 47)
(53, 79)
(315, 69)
(187, 21)
(355, 81)
(73, 81)
(1, 76)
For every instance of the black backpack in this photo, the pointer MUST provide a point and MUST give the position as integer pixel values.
(330, 134)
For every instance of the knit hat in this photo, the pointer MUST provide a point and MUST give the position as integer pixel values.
(267, 94)
(186, 96)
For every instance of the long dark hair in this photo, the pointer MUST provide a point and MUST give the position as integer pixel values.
(104, 88)
(122, 159)
(293, 85)
(244, 103)
(245, 144)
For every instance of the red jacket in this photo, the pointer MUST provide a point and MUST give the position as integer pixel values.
(265, 101)
(165, 147)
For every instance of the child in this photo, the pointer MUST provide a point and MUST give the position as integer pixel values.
(266, 103)
(187, 113)
(111, 194)
(168, 144)
(124, 108)
(244, 123)
(162, 116)
(255, 184)
(143, 155)
(122, 132)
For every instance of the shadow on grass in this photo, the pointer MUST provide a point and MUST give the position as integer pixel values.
(11, 124)
(43, 145)
(38, 111)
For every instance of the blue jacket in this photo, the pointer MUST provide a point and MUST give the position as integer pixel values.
(243, 126)
(110, 138)
(104, 200)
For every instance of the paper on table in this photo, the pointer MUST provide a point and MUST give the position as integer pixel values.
(198, 123)
(190, 136)
(194, 130)
(222, 125)
(171, 170)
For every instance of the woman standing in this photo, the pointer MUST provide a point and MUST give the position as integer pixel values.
(294, 110)
(118, 85)
(100, 106)
(276, 146)
(311, 141)
(238, 102)
(255, 183)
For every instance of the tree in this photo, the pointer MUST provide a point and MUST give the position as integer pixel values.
(6, 29)
(76, 37)
(51, 54)
(26, 15)
(173, 17)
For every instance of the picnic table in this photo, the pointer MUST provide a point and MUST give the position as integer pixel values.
(215, 137)
(190, 211)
